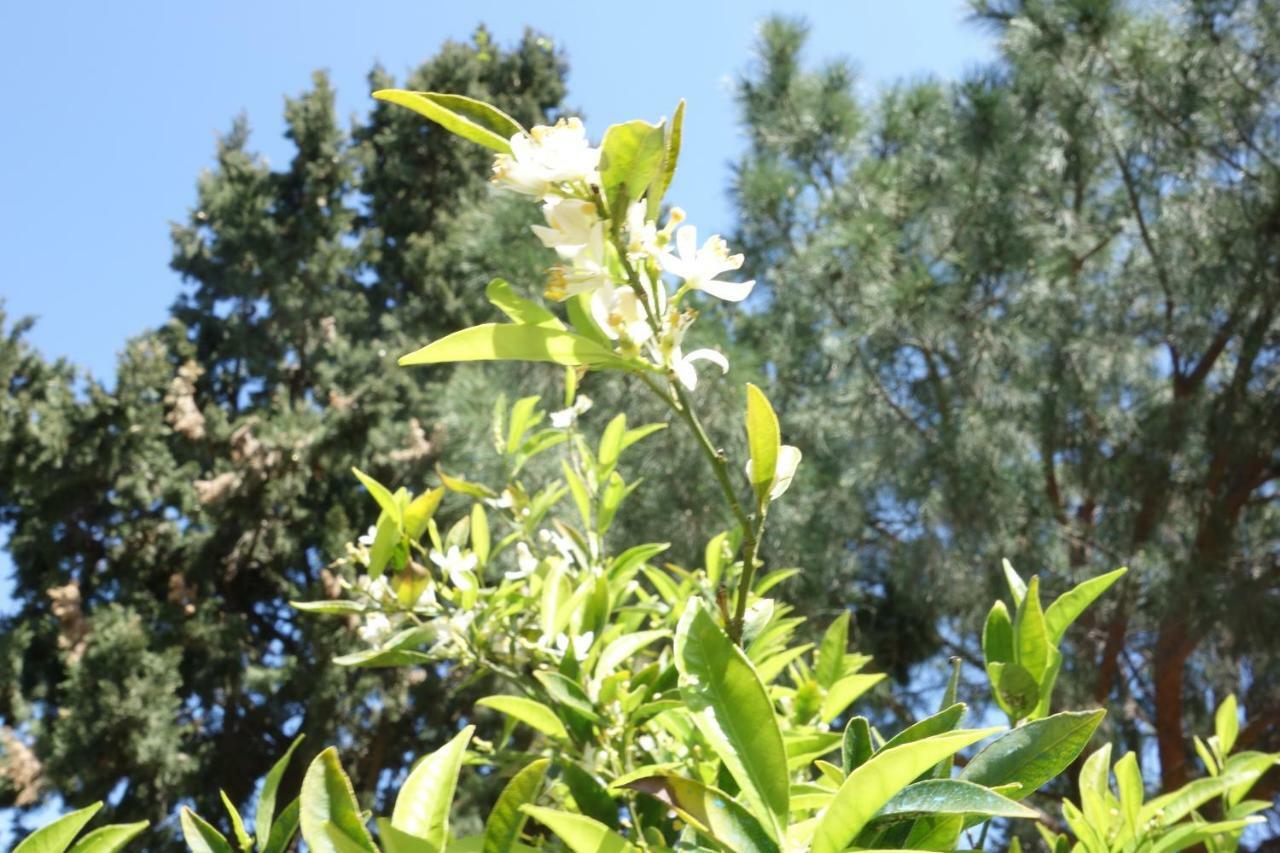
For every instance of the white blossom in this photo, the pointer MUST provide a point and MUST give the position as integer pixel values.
(683, 364)
(565, 418)
(458, 567)
(700, 268)
(547, 157)
(579, 645)
(571, 225)
(375, 629)
(526, 563)
(788, 461)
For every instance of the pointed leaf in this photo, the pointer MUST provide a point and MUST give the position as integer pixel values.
(422, 806)
(940, 723)
(952, 797)
(856, 746)
(471, 119)
(1068, 606)
(1032, 754)
(580, 834)
(330, 817)
(866, 790)
(630, 156)
(110, 839)
(835, 641)
(200, 836)
(529, 712)
(1226, 724)
(518, 309)
(730, 707)
(265, 811)
(56, 837)
(763, 441)
(283, 828)
(237, 823)
(671, 155)
(509, 342)
(506, 821)
(711, 811)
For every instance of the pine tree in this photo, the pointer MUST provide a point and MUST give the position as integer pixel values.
(1033, 314)
(160, 527)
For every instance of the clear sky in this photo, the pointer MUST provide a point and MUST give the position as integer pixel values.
(112, 109)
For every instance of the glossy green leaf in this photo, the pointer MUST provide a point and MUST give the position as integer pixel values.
(330, 817)
(763, 441)
(623, 649)
(237, 823)
(386, 502)
(422, 806)
(1034, 753)
(1017, 587)
(1059, 615)
(711, 811)
(1191, 834)
(506, 820)
(1017, 690)
(199, 834)
(1095, 786)
(868, 788)
(528, 711)
(473, 120)
(589, 794)
(940, 723)
(997, 635)
(670, 157)
(730, 707)
(951, 797)
(1172, 807)
(835, 641)
(510, 342)
(856, 746)
(630, 156)
(518, 309)
(283, 828)
(109, 839)
(1226, 724)
(1129, 784)
(844, 692)
(56, 837)
(580, 834)
(265, 812)
(1030, 635)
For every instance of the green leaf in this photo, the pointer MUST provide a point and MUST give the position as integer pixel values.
(339, 607)
(330, 816)
(1191, 834)
(1030, 636)
(1017, 588)
(830, 664)
(473, 120)
(506, 820)
(868, 788)
(997, 635)
(283, 828)
(56, 837)
(1032, 754)
(200, 836)
(670, 156)
(580, 834)
(110, 839)
(589, 794)
(1226, 724)
(940, 723)
(509, 342)
(856, 746)
(621, 650)
(1016, 689)
(568, 693)
(265, 812)
(386, 501)
(529, 712)
(733, 711)
(611, 440)
(1068, 606)
(1132, 792)
(951, 797)
(763, 440)
(398, 841)
(1172, 807)
(1095, 787)
(630, 156)
(711, 811)
(418, 513)
(518, 309)
(237, 823)
(843, 693)
(422, 806)
(521, 417)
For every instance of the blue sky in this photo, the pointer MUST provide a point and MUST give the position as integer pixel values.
(112, 109)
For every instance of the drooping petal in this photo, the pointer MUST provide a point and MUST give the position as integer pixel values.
(729, 291)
